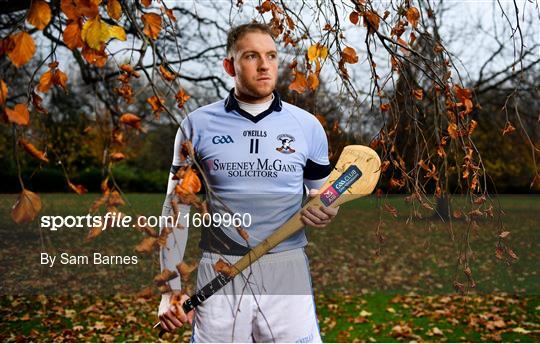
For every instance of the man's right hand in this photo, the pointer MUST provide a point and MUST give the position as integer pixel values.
(170, 312)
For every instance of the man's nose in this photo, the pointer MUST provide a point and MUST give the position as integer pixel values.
(264, 64)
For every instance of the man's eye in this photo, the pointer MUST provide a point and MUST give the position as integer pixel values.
(250, 57)
(272, 56)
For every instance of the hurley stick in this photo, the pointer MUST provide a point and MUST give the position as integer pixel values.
(355, 175)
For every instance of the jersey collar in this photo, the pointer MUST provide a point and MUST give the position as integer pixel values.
(232, 104)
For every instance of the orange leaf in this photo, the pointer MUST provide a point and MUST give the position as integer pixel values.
(45, 82)
(413, 15)
(418, 93)
(313, 81)
(69, 7)
(129, 69)
(371, 21)
(23, 48)
(170, 14)
(114, 9)
(452, 130)
(299, 84)
(3, 92)
(349, 55)
(191, 182)
(147, 245)
(146, 3)
(168, 75)
(26, 208)
(353, 17)
(165, 276)
(39, 14)
(223, 267)
(33, 151)
(18, 115)
(79, 189)
(181, 98)
(156, 103)
(72, 35)
(132, 120)
(152, 24)
(508, 128)
(385, 107)
(117, 156)
(97, 58)
(185, 270)
(88, 8)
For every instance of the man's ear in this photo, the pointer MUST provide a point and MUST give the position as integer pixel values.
(228, 64)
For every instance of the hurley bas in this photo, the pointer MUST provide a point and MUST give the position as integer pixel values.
(96, 259)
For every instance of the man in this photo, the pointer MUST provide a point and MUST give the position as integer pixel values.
(259, 154)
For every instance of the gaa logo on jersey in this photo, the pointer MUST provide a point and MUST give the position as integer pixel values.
(222, 139)
(286, 141)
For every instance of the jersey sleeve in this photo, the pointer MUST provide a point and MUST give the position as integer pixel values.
(317, 164)
(172, 253)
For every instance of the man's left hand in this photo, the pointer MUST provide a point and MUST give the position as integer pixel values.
(318, 217)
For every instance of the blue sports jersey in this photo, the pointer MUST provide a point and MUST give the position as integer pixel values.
(256, 165)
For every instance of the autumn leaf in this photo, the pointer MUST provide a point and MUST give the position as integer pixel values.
(418, 93)
(181, 98)
(23, 48)
(185, 270)
(371, 21)
(69, 7)
(165, 276)
(190, 182)
(508, 128)
(53, 76)
(97, 58)
(413, 15)
(26, 208)
(452, 130)
(114, 9)
(72, 35)
(504, 234)
(299, 84)
(167, 74)
(385, 107)
(313, 81)
(146, 3)
(39, 14)
(349, 55)
(157, 103)
(317, 51)
(33, 151)
(131, 120)
(152, 25)
(353, 17)
(18, 115)
(117, 156)
(147, 245)
(95, 32)
(78, 189)
(222, 267)
(3, 92)
(88, 8)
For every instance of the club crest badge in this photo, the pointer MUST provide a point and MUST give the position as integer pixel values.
(286, 141)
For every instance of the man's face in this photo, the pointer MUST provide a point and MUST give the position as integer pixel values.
(255, 65)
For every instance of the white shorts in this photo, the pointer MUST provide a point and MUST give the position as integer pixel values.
(272, 301)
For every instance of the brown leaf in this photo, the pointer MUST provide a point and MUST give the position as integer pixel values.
(97, 58)
(385, 107)
(167, 74)
(181, 98)
(353, 17)
(165, 276)
(299, 84)
(131, 120)
(313, 81)
(114, 9)
(452, 131)
(146, 3)
(79, 189)
(26, 208)
(39, 14)
(504, 234)
(413, 15)
(371, 21)
(185, 270)
(390, 209)
(33, 151)
(93, 233)
(147, 245)
(511, 253)
(72, 35)
(223, 267)
(118, 156)
(508, 128)
(3, 92)
(18, 115)
(418, 93)
(349, 55)
(157, 103)
(23, 48)
(152, 25)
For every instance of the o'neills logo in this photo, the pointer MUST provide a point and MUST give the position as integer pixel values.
(286, 141)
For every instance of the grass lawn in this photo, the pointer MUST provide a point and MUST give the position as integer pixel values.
(384, 270)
